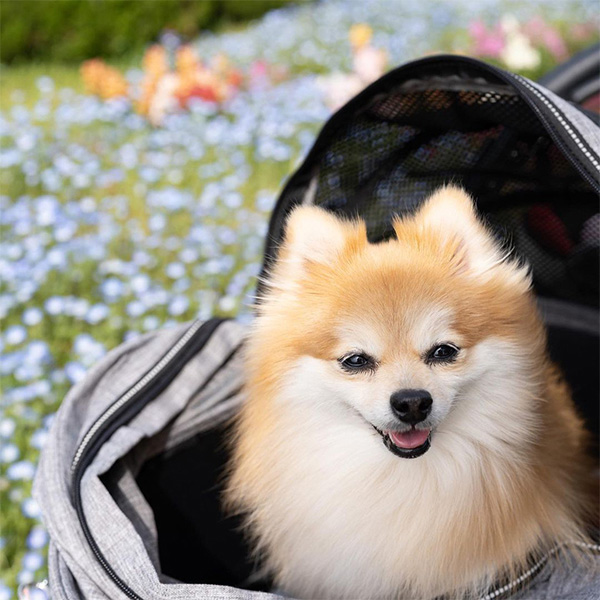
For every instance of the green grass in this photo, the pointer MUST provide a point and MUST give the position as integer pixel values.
(23, 78)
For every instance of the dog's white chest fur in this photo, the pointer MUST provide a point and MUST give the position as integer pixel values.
(349, 519)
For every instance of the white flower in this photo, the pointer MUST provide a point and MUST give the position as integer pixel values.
(339, 88)
(163, 100)
(509, 24)
(369, 63)
(518, 53)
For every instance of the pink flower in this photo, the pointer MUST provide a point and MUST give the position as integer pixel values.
(258, 69)
(582, 31)
(555, 44)
(486, 42)
(544, 34)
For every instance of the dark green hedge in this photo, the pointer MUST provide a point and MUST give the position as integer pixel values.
(75, 30)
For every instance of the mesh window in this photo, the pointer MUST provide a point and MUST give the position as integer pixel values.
(390, 156)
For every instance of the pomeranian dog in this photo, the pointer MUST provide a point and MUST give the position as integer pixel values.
(405, 434)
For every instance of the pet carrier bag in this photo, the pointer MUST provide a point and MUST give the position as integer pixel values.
(130, 477)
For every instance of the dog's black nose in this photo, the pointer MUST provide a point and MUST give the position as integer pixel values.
(411, 406)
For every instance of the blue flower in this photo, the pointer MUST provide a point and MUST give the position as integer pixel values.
(31, 509)
(149, 174)
(265, 201)
(38, 439)
(227, 303)
(76, 307)
(157, 222)
(189, 255)
(5, 592)
(10, 362)
(7, 427)
(32, 316)
(175, 270)
(55, 305)
(45, 84)
(32, 561)
(227, 235)
(131, 335)
(178, 305)
(88, 350)
(97, 313)
(8, 453)
(233, 200)
(51, 180)
(150, 323)
(22, 470)
(10, 158)
(140, 283)
(25, 577)
(74, 371)
(112, 288)
(27, 372)
(16, 334)
(136, 308)
(37, 538)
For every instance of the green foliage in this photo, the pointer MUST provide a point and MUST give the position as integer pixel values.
(244, 10)
(75, 30)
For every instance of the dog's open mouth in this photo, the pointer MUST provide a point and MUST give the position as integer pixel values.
(407, 444)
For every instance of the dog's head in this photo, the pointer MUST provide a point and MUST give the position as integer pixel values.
(431, 332)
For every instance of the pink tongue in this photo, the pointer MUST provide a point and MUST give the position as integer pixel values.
(409, 439)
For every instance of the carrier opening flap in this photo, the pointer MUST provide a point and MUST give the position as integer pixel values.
(528, 158)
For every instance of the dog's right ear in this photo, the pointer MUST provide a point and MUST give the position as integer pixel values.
(315, 236)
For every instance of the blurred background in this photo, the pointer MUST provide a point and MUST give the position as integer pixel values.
(142, 147)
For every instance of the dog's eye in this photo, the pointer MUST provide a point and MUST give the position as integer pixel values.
(442, 353)
(357, 362)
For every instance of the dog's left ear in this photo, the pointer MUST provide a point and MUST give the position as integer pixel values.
(450, 214)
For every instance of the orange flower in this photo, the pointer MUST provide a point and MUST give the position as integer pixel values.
(155, 63)
(149, 86)
(90, 73)
(163, 88)
(360, 35)
(186, 61)
(102, 80)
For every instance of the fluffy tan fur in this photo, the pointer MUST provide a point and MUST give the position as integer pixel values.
(332, 512)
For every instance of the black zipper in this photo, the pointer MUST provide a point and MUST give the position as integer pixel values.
(148, 387)
(561, 137)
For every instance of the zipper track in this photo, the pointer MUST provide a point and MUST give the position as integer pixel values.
(510, 586)
(594, 159)
(152, 383)
(159, 366)
(566, 125)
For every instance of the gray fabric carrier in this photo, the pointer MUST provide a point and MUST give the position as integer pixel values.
(156, 396)
(119, 518)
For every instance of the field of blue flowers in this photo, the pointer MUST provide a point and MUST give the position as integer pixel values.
(111, 227)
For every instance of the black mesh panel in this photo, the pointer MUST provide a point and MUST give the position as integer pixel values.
(405, 144)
